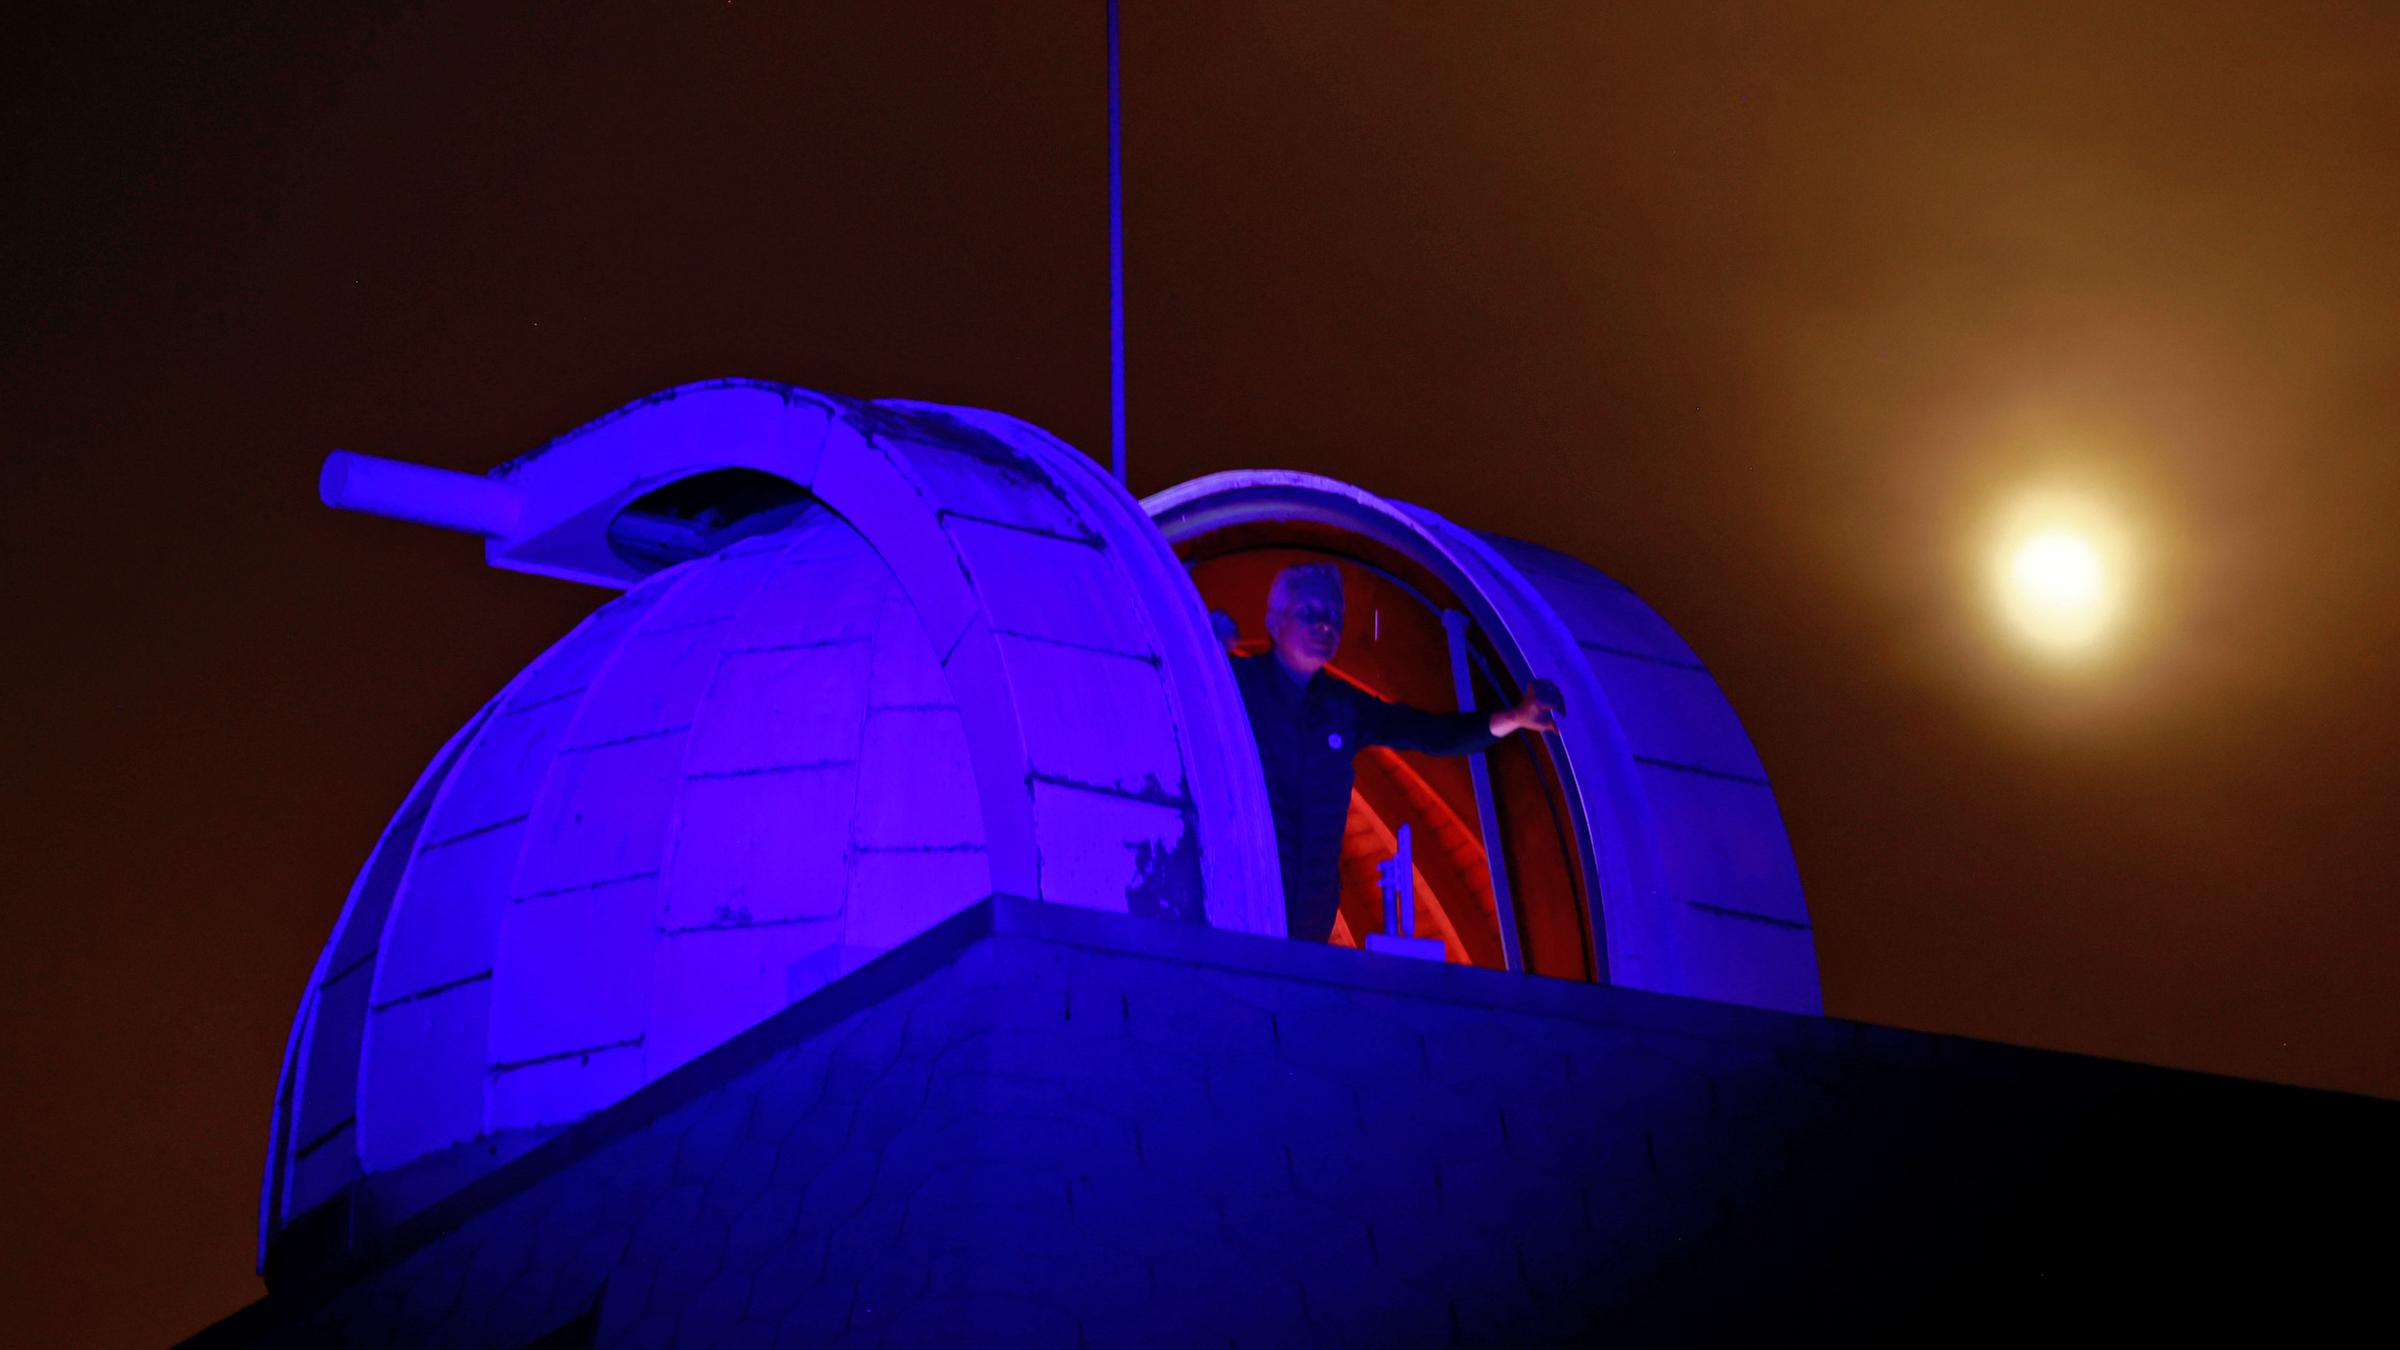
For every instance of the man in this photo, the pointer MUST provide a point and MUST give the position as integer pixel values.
(1309, 725)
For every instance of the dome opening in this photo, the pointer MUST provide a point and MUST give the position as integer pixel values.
(1641, 844)
(1396, 646)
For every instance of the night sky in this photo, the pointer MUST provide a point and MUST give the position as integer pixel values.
(1769, 310)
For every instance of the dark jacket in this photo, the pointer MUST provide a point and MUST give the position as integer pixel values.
(1306, 737)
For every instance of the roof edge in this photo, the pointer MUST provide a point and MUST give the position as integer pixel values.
(318, 1275)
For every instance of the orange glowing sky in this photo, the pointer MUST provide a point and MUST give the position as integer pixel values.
(1775, 311)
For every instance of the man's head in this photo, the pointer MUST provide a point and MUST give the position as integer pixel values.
(1304, 616)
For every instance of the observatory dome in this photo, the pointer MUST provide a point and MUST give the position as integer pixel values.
(876, 661)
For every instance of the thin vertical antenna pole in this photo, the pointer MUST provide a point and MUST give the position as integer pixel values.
(1116, 259)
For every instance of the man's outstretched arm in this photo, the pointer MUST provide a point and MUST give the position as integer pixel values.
(1405, 728)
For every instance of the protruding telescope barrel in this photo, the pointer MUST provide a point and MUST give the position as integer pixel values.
(420, 493)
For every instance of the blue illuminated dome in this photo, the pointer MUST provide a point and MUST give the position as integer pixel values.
(875, 661)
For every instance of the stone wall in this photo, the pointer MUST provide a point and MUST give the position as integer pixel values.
(1043, 1126)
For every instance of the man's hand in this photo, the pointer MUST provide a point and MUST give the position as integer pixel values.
(1534, 712)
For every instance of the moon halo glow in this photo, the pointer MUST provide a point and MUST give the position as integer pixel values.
(2059, 580)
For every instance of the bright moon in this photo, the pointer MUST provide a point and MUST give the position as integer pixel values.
(2056, 589)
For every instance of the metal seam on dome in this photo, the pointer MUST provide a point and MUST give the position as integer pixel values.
(1154, 796)
(760, 770)
(581, 1052)
(637, 737)
(464, 835)
(544, 701)
(1628, 654)
(1090, 541)
(918, 848)
(811, 645)
(795, 921)
(1150, 660)
(1749, 915)
(1680, 767)
(686, 626)
(583, 886)
(361, 962)
(347, 1123)
(431, 991)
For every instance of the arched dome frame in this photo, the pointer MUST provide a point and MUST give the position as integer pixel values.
(1658, 772)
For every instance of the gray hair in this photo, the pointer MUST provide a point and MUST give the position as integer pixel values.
(1321, 579)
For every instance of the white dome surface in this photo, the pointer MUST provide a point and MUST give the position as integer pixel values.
(654, 838)
(950, 673)
(919, 655)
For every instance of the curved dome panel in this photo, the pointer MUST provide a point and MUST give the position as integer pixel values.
(958, 661)
(717, 793)
(313, 1151)
(1717, 910)
(1687, 862)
